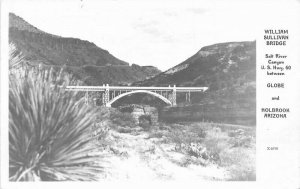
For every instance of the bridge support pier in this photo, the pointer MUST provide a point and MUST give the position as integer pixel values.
(188, 97)
(174, 96)
(86, 98)
(105, 98)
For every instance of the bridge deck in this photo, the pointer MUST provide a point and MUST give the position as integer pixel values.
(130, 88)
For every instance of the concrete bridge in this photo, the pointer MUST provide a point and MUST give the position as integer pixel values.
(110, 94)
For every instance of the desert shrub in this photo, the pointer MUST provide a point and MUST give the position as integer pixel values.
(125, 129)
(186, 134)
(196, 150)
(178, 137)
(215, 142)
(204, 143)
(156, 134)
(236, 133)
(164, 127)
(240, 139)
(99, 131)
(230, 149)
(240, 162)
(199, 130)
(49, 136)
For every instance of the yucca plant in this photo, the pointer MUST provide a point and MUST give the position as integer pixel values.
(15, 57)
(49, 135)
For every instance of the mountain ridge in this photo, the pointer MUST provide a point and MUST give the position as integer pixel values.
(39, 47)
(219, 57)
(228, 70)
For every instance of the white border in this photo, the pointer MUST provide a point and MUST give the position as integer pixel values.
(274, 170)
(4, 93)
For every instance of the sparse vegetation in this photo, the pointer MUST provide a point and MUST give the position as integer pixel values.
(49, 136)
(202, 144)
(228, 147)
(53, 139)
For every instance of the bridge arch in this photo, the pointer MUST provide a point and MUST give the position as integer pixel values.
(139, 91)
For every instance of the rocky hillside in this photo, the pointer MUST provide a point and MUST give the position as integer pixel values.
(87, 61)
(228, 69)
(221, 67)
(217, 66)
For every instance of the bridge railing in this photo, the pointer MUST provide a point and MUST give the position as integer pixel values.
(108, 93)
(103, 88)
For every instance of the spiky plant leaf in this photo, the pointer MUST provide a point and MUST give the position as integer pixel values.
(16, 57)
(49, 129)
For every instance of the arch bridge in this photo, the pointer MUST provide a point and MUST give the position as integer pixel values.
(110, 94)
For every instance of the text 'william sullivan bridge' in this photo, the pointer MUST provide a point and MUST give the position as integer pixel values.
(110, 94)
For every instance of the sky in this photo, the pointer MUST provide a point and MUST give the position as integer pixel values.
(144, 32)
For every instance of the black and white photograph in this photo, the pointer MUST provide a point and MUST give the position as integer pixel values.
(111, 90)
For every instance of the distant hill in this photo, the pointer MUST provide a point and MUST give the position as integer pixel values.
(216, 66)
(228, 69)
(90, 63)
(221, 67)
